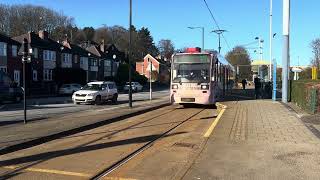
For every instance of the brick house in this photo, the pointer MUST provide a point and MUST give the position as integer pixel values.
(10, 62)
(160, 69)
(46, 57)
(107, 57)
(80, 57)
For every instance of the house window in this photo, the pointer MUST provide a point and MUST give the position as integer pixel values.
(16, 76)
(107, 68)
(66, 58)
(35, 75)
(49, 55)
(35, 52)
(3, 49)
(14, 50)
(94, 62)
(3, 69)
(47, 75)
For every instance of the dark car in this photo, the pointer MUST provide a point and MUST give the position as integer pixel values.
(9, 91)
(14, 94)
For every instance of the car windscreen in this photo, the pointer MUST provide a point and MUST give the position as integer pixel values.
(94, 87)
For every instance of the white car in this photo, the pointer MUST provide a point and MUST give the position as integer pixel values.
(96, 93)
(69, 89)
(134, 85)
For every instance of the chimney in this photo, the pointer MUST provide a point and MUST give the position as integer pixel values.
(43, 34)
(102, 45)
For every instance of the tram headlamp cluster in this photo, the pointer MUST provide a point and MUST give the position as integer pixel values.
(174, 86)
(204, 86)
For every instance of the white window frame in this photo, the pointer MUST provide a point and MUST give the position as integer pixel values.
(47, 74)
(14, 50)
(66, 58)
(16, 79)
(49, 55)
(94, 62)
(3, 69)
(3, 49)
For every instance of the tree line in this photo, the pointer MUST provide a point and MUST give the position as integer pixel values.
(19, 19)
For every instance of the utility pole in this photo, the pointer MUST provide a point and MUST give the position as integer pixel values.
(270, 58)
(130, 29)
(24, 61)
(285, 50)
(219, 32)
(150, 78)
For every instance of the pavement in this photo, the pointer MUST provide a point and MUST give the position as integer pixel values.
(259, 139)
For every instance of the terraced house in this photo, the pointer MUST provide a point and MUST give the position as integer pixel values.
(10, 62)
(55, 63)
(46, 56)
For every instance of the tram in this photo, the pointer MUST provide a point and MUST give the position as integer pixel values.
(199, 77)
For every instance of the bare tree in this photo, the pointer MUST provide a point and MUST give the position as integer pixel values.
(315, 45)
(166, 48)
(19, 19)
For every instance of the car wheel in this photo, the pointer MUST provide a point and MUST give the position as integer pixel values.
(77, 103)
(98, 100)
(115, 98)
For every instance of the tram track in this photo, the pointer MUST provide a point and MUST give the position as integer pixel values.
(160, 116)
(131, 155)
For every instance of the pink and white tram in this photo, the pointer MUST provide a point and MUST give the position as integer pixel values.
(199, 77)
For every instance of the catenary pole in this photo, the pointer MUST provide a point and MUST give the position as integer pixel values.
(130, 29)
(285, 50)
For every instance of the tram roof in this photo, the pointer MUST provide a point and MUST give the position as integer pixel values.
(221, 59)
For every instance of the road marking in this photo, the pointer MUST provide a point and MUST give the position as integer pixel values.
(51, 171)
(117, 178)
(215, 122)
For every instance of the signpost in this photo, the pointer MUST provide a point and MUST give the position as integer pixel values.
(26, 52)
(274, 94)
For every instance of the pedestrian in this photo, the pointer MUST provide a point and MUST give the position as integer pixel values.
(257, 87)
(244, 83)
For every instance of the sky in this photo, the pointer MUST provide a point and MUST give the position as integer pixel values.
(168, 19)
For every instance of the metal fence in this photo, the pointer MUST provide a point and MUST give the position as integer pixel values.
(306, 94)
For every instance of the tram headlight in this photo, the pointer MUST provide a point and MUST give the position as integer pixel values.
(174, 86)
(204, 86)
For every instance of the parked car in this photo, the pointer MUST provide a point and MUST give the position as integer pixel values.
(13, 94)
(96, 93)
(134, 85)
(67, 89)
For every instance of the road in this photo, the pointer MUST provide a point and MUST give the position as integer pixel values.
(48, 107)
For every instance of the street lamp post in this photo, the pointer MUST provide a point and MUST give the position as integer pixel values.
(260, 41)
(202, 28)
(219, 32)
(270, 38)
(129, 50)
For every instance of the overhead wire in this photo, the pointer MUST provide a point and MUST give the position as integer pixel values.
(216, 23)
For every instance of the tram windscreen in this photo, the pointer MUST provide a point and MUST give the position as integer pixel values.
(191, 69)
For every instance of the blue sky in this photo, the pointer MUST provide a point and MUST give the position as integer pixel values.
(244, 20)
